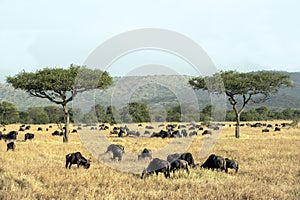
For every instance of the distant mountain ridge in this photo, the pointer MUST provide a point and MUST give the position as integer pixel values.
(162, 89)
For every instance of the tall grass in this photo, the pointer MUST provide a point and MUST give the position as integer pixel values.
(269, 168)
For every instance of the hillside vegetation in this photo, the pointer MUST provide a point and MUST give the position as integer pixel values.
(269, 168)
(150, 90)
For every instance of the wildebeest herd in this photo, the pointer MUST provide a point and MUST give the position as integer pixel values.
(172, 163)
(12, 135)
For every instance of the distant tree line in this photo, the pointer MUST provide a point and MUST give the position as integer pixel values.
(134, 112)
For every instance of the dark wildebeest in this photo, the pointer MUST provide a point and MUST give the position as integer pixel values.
(77, 158)
(232, 164)
(111, 147)
(122, 133)
(57, 133)
(183, 156)
(157, 165)
(207, 132)
(74, 131)
(29, 136)
(117, 153)
(11, 146)
(214, 162)
(146, 153)
(39, 129)
(277, 129)
(179, 164)
(188, 157)
(12, 135)
(265, 130)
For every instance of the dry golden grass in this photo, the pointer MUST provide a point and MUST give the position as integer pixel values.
(269, 168)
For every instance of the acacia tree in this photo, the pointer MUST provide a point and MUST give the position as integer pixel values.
(60, 85)
(242, 88)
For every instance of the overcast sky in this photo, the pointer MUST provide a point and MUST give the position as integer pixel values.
(241, 35)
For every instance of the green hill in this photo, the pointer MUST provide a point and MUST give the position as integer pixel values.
(164, 89)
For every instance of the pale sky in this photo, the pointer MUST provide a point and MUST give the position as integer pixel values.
(237, 35)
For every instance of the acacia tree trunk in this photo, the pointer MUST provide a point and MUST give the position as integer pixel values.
(67, 121)
(237, 127)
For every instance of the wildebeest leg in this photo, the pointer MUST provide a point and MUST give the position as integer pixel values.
(187, 169)
(156, 173)
(166, 174)
(236, 169)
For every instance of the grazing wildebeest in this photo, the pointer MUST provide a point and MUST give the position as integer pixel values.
(11, 146)
(183, 156)
(207, 132)
(179, 164)
(117, 153)
(77, 158)
(39, 129)
(74, 131)
(146, 153)
(193, 133)
(111, 147)
(184, 132)
(149, 127)
(29, 136)
(122, 133)
(265, 130)
(27, 127)
(232, 164)
(12, 135)
(214, 162)
(188, 157)
(21, 128)
(57, 133)
(155, 166)
(277, 129)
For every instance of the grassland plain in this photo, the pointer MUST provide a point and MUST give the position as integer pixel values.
(269, 168)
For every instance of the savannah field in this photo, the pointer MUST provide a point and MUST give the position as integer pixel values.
(269, 167)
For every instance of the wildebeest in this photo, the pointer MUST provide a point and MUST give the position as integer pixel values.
(214, 162)
(277, 129)
(11, 146)
(39, 129)
(146, 153)
(155, 166)
(265, 130)
(232, 164)
(179, 164)
(193, 133)
(111, 147)
(29, 136)
(183, 156)
(162, 134)
(77, 158)
(57, 133)
(74, 131)
(188, 157)
(122, 133)
(207, 132)
(117, 153)
(12, 135)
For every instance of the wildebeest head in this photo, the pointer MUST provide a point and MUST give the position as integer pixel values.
(85, 163)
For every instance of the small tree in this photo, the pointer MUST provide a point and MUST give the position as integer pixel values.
(38, 115)
(9, 113)
(242, 88)
(60, 85)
